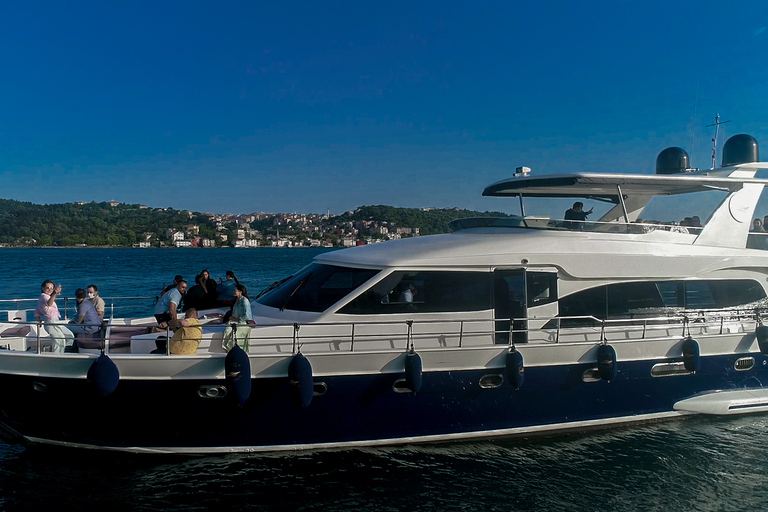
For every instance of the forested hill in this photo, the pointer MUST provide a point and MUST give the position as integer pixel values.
(430, 221)
(69, 224)
(114, 224)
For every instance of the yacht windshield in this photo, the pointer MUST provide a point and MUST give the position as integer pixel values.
(316, 288)
(685, 213)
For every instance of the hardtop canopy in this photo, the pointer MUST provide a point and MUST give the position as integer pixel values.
(606, 186)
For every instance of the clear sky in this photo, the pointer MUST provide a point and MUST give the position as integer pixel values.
(242, 106)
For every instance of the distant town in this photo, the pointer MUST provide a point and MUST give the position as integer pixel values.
(299, 230)
(114, 224)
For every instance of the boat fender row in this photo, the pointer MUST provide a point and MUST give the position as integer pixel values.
(691, 354)
(237, 370)
(103, 375)
(762, 338)
(515, 368)
(302, 387)
(606, 362)
(413, 371)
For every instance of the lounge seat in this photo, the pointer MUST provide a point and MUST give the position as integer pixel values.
(88, 341)
(120, 336)
(16, 332)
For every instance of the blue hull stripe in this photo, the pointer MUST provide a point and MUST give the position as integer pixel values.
(172, 416)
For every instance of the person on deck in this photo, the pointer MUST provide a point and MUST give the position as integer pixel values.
(575, 216)
(209, 286)
(757, 236)
(195, 297)
(226, 289)
(47, 313)
(176, 280)
(98, 302)
(240, 322)
(188, 334)
(87, 321)
(167, 307)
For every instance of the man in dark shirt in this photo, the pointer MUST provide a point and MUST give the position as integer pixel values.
(575, 216)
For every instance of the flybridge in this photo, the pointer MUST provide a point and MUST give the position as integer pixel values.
(610, 186)
(726, 224)
(673, 176)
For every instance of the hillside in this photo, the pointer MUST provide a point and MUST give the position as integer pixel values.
(430, 221)
(122, 225)
(69, 224)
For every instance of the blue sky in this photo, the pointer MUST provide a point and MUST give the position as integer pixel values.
(311, 106)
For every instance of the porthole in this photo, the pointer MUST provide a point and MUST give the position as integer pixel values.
(743, 364)
(491, 381)
(400, 386)
(591, 375)
(669, 369)
(319, 388)
(214, 391)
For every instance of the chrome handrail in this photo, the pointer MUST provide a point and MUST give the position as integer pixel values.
(462, 328)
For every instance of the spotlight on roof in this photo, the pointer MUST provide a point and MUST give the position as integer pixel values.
(522, 171)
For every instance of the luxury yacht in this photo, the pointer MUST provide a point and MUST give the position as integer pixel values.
(527, 324)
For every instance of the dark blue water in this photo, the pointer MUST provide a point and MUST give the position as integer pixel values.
(139, 272)
(696, 464)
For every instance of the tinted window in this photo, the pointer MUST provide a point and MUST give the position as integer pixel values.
(635, 300)
(672, 293)
(699, 296)
(734, 293)
(628, 300)
(316, 288)
(542, 288)
(709, 294)
(589, 302)
(425, 292)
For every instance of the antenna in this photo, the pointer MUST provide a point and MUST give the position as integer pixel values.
(716, 124)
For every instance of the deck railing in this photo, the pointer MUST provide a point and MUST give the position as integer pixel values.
(115, 307)
(755, 240)
(401, 334)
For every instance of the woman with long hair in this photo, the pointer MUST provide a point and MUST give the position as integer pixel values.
(239, 324)
(209, 287)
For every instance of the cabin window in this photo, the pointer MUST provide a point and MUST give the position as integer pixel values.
(424, 292)
(316, 288)
(586, 303)
(672, 293)
(625, 300)
(725, 294)
(541, 287)
(646, 298)
(709, 294)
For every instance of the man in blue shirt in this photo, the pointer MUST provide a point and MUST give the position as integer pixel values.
(168, 305)
(87, 320)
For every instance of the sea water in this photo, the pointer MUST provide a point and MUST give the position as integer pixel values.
(702, 464)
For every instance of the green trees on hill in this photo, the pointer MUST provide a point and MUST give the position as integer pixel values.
(430, 221)
(71, 224)
(101, 224)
